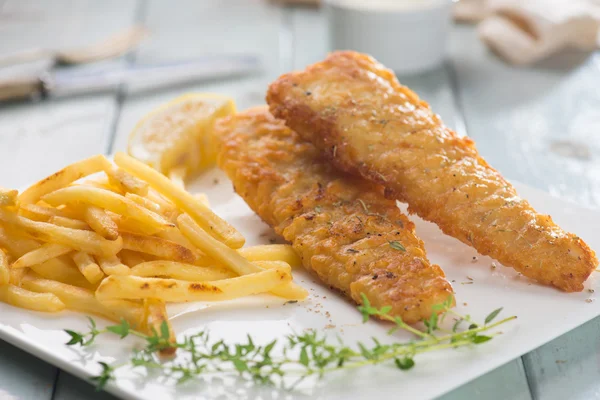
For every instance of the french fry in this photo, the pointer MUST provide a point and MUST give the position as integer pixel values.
(107, 200)
(39, 213)
(23, 298)
(176, 270)
(131, 258)
(157, 321)
(174, 235)
(87, 241)
(202, 198)
(85, 301)
(68, 223)
(15, 241)
(144, 202)
(177, 176)
(203, 215)
(64, 177)
(231, 259)
(123, 243)
(167, 208)
(112, 266)
(101, 223)
(271, 252)
(127, 224)
(4, 271)
(174, 290)
(40, 255)
(125, 182)
(100, 182)
(87, 266)
(58, 269)
(162, 248)
(16, 275)
(8, 197)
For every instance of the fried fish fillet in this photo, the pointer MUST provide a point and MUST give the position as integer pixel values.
(343, 228)
(358, 114)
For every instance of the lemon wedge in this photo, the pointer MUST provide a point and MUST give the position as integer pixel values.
(177, 137)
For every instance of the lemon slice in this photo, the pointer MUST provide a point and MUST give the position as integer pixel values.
(177, 138)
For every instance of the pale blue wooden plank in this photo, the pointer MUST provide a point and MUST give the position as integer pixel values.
(70, 387)
(568, 367)
(536, 124)
(503, 383)
(309, 36)
(24, 377)
(196, 28)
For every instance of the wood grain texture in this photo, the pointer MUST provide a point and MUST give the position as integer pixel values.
(24, 377)
(196, 28)
(69, 387)
(60, 24)
(506, 382)
(42, 138)
(568, 367)
(537, 125)
(39, 138)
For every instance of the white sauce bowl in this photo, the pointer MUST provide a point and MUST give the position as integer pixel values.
(407, 36)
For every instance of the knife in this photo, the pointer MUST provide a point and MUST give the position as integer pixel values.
(71, 82)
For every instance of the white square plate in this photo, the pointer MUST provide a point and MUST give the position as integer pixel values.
(543, 314)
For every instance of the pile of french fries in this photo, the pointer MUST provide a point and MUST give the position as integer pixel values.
(121, 240)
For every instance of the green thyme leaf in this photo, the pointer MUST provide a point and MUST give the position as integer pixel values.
(299, 355)
(76, 338)
(404, 363)
(481, 339)
(492, 315)
(456, 324)
(122, 329)
(396, 245)
(240, 365)
(304, 357)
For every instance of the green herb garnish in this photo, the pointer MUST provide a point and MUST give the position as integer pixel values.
(396, 245)
(295, 358)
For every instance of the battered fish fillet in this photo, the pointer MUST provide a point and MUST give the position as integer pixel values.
(343, 228)
(357, 113)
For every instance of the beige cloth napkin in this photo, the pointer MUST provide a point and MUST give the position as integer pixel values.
(525, 31)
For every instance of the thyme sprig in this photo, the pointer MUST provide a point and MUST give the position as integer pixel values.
(297, 357)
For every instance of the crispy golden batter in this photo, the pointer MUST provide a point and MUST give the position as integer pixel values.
(342, 227)
(358, 114)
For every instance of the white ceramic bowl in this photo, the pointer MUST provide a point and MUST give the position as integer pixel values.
(407, 36)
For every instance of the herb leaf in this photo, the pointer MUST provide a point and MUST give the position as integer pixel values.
(396, 245)
(404, 363)
(76, 338)
(481, 339)
(300, 355)
(492, 315)
(121, 329)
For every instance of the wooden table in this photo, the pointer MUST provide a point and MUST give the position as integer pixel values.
(537, 125)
